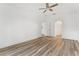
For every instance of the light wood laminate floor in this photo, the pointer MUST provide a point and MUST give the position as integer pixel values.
(42, 46)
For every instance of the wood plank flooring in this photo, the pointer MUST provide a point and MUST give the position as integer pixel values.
(42, 46)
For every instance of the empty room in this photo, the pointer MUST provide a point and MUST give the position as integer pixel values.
(39, 29)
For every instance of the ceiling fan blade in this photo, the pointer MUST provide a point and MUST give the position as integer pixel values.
(50, 9)
(44, 11)
(54, 5)
(41, 8)
(47, 5)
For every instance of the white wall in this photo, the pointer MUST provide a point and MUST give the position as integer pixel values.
(21, 22)
(69, 12)
(18, 23)
(70, 15)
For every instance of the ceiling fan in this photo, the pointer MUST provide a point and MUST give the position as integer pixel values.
(48, 7)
